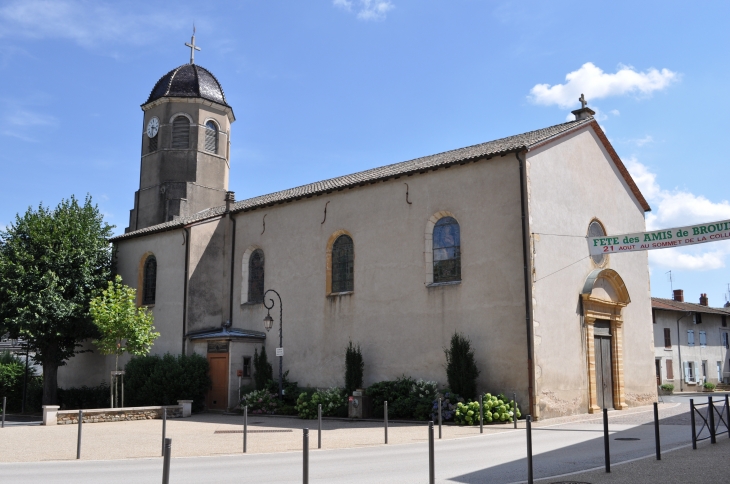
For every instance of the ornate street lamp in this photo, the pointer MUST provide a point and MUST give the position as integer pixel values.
(268, 324)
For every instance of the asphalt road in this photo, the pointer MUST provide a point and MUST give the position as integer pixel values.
(496, 458)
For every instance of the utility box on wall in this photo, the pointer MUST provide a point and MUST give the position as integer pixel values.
(358, 405)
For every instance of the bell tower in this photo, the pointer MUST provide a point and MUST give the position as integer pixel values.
(185, 147)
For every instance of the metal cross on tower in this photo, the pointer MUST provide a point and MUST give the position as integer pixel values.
(582, 99)
(192, 46)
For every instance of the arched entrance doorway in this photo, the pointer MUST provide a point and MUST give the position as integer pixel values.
(603, 297)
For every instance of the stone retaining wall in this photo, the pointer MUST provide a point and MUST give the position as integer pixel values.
(53, 416)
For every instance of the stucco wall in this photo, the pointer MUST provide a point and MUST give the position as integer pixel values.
(570, 182)
(401, 324)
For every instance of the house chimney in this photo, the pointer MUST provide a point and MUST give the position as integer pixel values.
(703, 299)
(230, 200)
(584, 112)
(678, 295)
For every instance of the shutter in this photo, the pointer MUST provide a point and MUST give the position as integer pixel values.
(181, 133)
(690, 337)
(686, 372)
(670, 370)
(667, 338)
(211, 137)
(703, 338)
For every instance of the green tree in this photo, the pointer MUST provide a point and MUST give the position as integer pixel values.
(262, 370)
(461, 367)
(52, 261)
(354, 368)
(123, 327)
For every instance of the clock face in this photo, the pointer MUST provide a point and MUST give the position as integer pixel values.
(153, 127)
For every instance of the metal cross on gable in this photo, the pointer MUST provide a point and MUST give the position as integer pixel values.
(583, 102)
(193, 47)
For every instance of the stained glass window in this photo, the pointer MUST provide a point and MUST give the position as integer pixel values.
(343, 264)
(256, 276)
(446, 250)
(595, 229)
(149, 281)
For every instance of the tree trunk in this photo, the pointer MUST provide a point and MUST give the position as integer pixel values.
(50, 382)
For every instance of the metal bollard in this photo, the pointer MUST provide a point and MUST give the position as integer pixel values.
(431, 464)
(692, 422)
(528, 426)
(606, 450)
(245, 427)
(711, 411)
(305, 476)
(514, 409)
(727, 412)
(385, 414)
(439, 418)
(5, 401)
(166, 462)
(656, 432)
(164, 428)
(481, 414)
(78, 440)
(319, 429)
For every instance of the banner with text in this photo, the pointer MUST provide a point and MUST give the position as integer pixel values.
(660, 239)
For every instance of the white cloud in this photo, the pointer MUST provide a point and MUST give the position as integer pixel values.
(615, 112)
(676, 208)
(366, 9)
(85, 22)
(29, 118)
(596, 84)
(642, 141)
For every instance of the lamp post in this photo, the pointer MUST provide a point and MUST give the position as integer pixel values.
(268, 323)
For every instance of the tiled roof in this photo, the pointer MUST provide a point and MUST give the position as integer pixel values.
(672, 305)
(501, 146)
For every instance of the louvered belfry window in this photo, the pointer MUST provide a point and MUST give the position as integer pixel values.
(343, 264)
(149, 281)
(446, 250)
(211, 137)
(181, 133)
(256, 277)
(152, 144)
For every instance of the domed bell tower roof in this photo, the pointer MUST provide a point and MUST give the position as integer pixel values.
(189, 80)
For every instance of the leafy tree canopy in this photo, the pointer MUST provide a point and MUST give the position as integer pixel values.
(52, 261)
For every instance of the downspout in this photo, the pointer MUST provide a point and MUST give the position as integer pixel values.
(526, 276)
(185, 287)
(233, 265)
(679, 349)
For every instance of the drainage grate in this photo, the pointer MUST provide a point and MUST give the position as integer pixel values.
(627, 438)
(250, 431)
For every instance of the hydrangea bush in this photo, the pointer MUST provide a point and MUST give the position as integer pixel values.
(407, 398)
(496, 409)
(260, 401)
(449, 400)
(333, 401)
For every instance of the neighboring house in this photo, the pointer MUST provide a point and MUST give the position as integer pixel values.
(486, 240)
(691, 342)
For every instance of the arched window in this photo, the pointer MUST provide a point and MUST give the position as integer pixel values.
(149, 281)
(211, 137)
(181, 132)
(256, 276)
(595, 229)
(446, 250)
(343, 264)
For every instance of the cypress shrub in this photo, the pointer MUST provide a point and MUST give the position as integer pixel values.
(354, 368)
(262, 370)
(155, 380)
(461, 367)
(85, 397)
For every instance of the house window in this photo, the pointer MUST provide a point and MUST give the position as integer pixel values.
(181, 132)
(724, 321)
(698, 318)
(256, 277)
(670, 370)
(211, 137)
(149, 288)
(689, 371)
(595, 229)
(725, 340)
(446, 250)
(343, 264)
(703, 339)
(667, 338)
(690, 337)
(247, 367)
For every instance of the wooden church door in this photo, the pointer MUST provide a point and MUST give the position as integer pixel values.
(217, 397)
(604, 379)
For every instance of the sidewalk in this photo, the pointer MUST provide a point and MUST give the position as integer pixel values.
(709, 463)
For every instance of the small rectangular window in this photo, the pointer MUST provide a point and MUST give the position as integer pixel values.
(247, 367)
(667, 338)
(698, 318)
(724, 321)
(703, 338)
(690, 337)
(725, 340)
(670, 370)
(152, 144)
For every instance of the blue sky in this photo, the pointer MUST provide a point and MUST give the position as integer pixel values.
(321, 88)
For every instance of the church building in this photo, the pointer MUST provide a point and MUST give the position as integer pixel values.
(486, 240)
